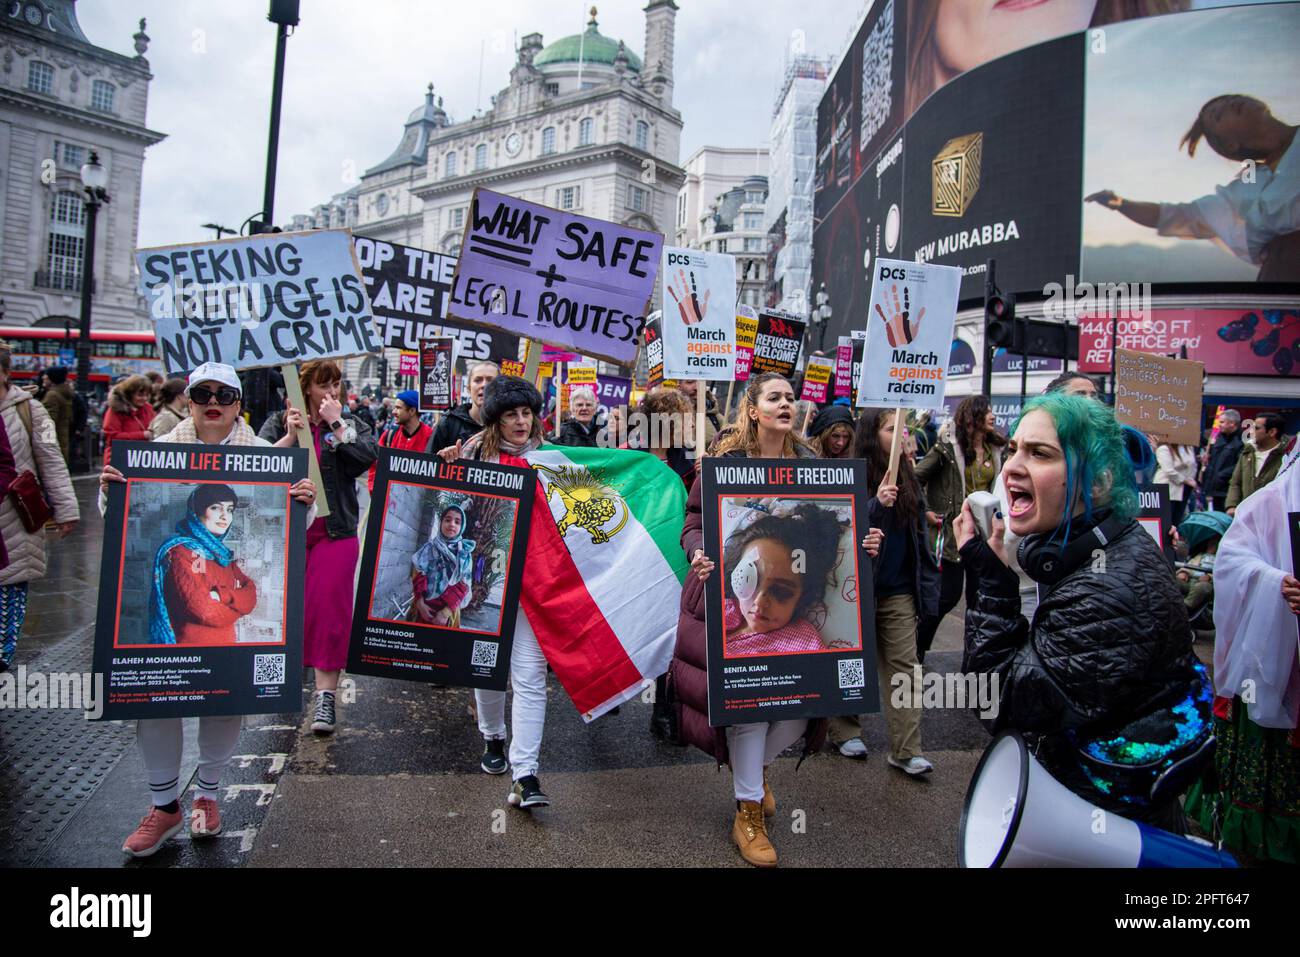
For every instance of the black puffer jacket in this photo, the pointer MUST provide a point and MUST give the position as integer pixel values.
(573, 432)
(456, 425)
(1108, 644)
(1221, 463)
(341, 464)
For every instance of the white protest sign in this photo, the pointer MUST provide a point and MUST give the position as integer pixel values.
(909, 335)
(699, 323)
(257, 301)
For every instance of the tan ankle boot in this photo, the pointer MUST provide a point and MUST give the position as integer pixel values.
(750, 834)
(769, 799)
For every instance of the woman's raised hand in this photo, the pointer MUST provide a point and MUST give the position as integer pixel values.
(887, 495)
(701, 565)
(451, 453)
(330, 410)
(872, 541)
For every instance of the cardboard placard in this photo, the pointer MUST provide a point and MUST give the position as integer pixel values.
(444, 614)
(409, 290)
(654, 353)
(257, 301)
(777, 343)
(844, 380)
(583, 374)
(1160, 396)
(572, 281)
(909, 334)
(408, 363)
(746, 333)
(437, 359)
(512, 367)
(768, 661)
(699, 296)
(817, 379)
(201, 582)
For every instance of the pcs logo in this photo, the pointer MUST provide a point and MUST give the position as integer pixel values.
(681, 259)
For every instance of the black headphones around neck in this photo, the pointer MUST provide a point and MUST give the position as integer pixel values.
(1047, 560)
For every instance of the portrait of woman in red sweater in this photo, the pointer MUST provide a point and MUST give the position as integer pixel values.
(199, 590)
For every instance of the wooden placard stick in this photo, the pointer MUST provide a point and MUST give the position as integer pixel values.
(700, 406)
(807, 418)
(533, 363)
(293, 390)
(895, 447)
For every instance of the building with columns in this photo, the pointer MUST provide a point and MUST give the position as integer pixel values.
(61, 97)
(584, 124)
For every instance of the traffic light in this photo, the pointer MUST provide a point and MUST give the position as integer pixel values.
(1000, 320)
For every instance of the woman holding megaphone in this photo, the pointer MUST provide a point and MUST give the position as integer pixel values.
(1103, 678)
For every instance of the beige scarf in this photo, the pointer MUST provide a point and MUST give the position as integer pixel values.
(240, 434)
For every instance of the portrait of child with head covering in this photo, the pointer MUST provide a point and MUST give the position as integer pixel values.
(443, 558)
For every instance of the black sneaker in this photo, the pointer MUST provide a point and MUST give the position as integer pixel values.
(494, 756)
(528, 792)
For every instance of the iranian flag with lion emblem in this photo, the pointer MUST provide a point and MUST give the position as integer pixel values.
(607, 617)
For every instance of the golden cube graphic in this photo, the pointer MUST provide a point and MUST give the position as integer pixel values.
(956, 175)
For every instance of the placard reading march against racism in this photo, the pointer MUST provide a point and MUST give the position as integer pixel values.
(257, 302)
(1160, 396)
(441, 569)
(409, 290)
(699, 314)
(777, 344)
(201, 582)
(909, 334)
(572, 281)
(437, 357)
(790, 608)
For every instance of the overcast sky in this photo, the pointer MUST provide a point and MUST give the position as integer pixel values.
(356, 68)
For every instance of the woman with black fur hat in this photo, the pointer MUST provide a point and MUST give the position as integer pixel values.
(512, 428)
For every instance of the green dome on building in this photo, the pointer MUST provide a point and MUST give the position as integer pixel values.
(594, 48)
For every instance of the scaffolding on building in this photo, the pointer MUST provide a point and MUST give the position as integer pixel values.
(792, 161)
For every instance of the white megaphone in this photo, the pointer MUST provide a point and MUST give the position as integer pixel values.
(1017, 815)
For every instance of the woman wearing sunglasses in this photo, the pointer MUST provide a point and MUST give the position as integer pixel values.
(214, 394)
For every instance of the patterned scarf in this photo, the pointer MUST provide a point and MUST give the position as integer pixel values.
(194, 535)
(470, 449)
(445, 561)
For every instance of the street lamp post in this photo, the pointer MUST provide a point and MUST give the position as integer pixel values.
(94, 179)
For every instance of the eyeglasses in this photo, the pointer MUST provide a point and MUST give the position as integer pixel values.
(224, 396)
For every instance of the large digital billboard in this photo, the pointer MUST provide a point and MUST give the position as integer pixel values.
(1061, 140)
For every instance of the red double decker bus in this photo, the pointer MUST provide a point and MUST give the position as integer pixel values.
(113, 354)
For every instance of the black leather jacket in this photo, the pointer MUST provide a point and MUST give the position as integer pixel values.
(1108, 644)
(1221, 463)
(341, 464)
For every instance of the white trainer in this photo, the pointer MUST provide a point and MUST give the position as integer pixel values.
(913, 766)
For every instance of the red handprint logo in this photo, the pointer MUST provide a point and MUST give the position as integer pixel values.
(689, 304)
(900, 329)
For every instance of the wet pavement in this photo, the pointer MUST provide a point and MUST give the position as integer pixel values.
(399, 783)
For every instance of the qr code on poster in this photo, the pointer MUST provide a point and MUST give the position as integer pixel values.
(485, 654)
(268, 669)
(851, 673)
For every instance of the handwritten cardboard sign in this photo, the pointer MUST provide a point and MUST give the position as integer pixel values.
(409, 289)
(1159, 395)
(570, 281)
(257, 301)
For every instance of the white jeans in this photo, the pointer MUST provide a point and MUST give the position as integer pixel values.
(528, 711)
(753, 747)
(160, 741)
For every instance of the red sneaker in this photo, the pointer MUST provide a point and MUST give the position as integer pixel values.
(155, 828)
(205, 819)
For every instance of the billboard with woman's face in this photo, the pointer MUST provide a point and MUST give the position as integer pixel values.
(1068, 140)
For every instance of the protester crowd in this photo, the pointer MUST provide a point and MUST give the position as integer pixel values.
(1085, 658)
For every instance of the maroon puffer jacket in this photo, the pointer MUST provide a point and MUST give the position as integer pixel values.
(688, 680)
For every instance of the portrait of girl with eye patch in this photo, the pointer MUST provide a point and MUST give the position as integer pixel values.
(777, 572)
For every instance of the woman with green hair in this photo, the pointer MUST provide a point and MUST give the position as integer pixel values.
(1103, 679)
